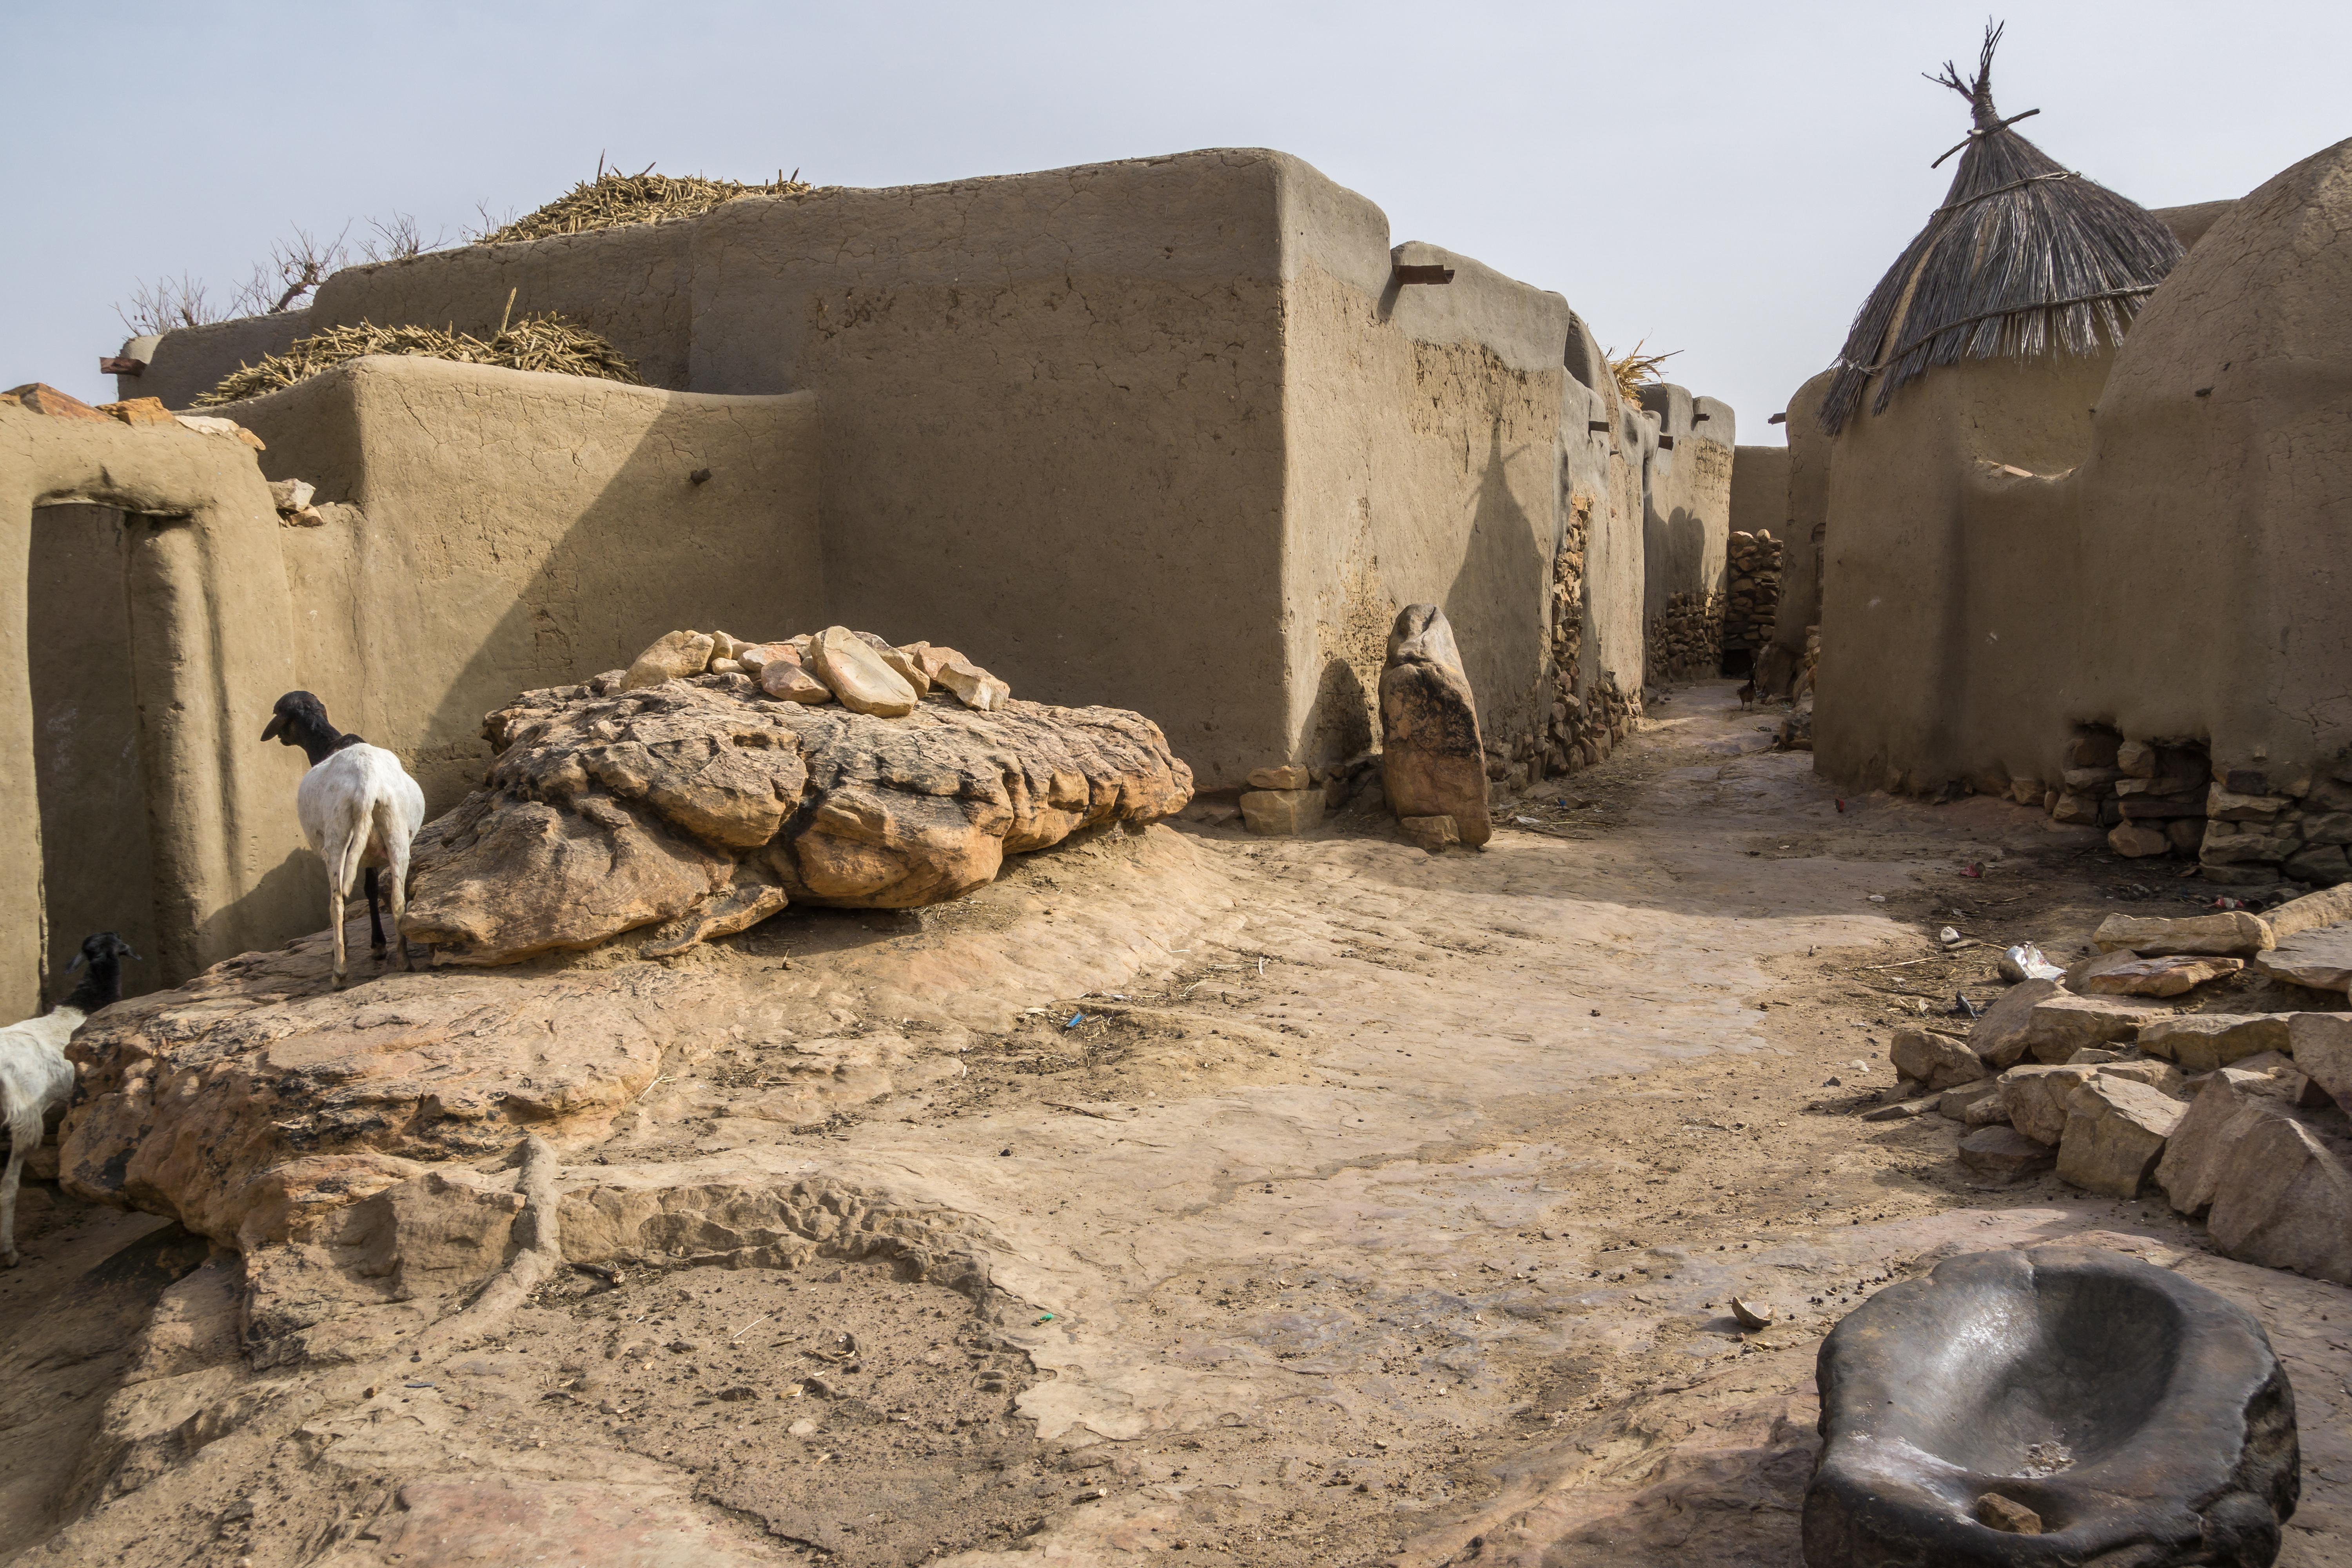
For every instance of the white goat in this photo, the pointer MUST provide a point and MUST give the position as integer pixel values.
(359, 809)
(34, 1077)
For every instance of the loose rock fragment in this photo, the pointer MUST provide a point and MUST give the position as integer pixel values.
(2230, 932)
(2320, 958)
(2001, 1035)
(1432, 833)
(1277, 812)
(974, 687)
(2166, 976)
(856, 675)
(673, 656)
(2006, 1513)
(2200, 1042)
(2005, 1154)
(1936, 1061)
(2063, 1022)
(2115, 1134)
(2035, 1098)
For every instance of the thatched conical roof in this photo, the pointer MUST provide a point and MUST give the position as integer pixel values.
(2023, 259)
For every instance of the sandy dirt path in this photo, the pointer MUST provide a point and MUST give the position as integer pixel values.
(1357, 1205)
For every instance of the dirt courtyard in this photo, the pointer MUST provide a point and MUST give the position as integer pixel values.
(1335, 1203)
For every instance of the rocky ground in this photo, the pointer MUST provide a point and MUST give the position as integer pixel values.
(1281, 1202)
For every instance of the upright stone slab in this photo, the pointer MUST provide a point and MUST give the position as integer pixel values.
(1432, 761)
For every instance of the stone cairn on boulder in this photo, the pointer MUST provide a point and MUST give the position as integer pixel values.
(1686, 637)
(1432, 767)
(2128, 1073)
(1754, 571)
(715, 780)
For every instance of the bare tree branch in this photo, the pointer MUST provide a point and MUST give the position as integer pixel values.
(167, 304)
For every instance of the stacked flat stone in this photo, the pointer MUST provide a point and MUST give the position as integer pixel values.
(858, 669)
(1587, 719)
(1686, 637)
(1753, 562)
(2242, 826)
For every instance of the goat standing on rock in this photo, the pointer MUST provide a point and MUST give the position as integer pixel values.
(359, 809)
(36, 1077)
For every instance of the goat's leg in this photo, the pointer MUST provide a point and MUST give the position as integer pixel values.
(335, 922)
(398, 894)
(8, 1203)
(375, 921)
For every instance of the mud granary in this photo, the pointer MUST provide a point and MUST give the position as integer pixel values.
(1177, 434)
(2099, 579)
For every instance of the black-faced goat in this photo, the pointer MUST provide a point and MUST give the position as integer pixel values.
(36, 1077)
(359, 810)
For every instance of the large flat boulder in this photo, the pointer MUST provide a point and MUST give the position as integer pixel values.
(1939, 1061)
(2227, 1105)
(2200, 1042)
(2115, 1134)
(2065, 1023)
(2005, 1031)
(2320, 957)
(2233, 932)
(708, 804)
(2036, 1098)
(2321, 1044)
(1433, 762)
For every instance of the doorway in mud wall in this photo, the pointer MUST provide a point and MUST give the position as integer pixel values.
(1738, 662)
(97, 868)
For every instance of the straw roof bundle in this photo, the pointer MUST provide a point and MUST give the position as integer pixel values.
(1634, 369)
(2023, 259)
(535, 343)
(612, 197)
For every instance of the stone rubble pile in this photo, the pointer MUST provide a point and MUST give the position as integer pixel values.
(1753, 561)
(1587, 718)
(2118, 1078)
(858, 669)
(1686, 638)
(2243, 825)
(688, 793)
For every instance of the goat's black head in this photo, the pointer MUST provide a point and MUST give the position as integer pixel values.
(101, 945)
(103, 951)
(300, 720)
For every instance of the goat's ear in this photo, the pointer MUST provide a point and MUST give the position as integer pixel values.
(277, 727)
(77, 963)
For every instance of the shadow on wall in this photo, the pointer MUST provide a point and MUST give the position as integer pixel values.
(1503, 562)
(97, 872)
(651, 554)
(470, 568)
(1344, 712)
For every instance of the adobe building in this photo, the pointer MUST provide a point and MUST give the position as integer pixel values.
(2078, 497)
(1177, 434)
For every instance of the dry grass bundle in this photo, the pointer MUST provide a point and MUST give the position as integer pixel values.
(2023, 259)
(536, 343)
(612, 197)
(1635, 370)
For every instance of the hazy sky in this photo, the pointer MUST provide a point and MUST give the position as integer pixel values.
(1725, 180)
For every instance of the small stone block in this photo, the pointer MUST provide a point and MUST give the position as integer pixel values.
(2004, 1154)
(1432, 833)
(1277, 813)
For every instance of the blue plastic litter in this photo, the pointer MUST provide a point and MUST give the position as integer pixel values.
(1075, 1019)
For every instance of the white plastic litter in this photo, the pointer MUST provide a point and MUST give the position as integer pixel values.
(2025, 961)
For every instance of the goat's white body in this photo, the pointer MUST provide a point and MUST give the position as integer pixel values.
(35, 1080)
(360, 808)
